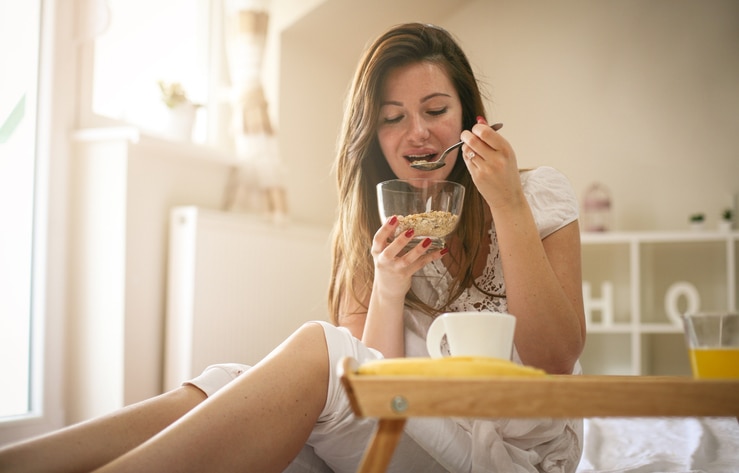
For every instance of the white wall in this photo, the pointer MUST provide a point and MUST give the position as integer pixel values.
(642, 96)
(122, 188)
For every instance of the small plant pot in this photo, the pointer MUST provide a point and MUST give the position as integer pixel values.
(725, 225)
(180, 122)
(697, 226)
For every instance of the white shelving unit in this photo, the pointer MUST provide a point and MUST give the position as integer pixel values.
(637, 283)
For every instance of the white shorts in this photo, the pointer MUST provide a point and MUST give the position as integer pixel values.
(339, 438)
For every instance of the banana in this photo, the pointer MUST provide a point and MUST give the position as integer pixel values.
(452, 366)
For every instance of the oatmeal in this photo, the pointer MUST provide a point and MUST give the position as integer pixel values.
(436, 223)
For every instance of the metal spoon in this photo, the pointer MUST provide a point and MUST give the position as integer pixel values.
(431, 165)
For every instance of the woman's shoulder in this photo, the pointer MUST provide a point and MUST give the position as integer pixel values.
(542, 175)
(551, 198)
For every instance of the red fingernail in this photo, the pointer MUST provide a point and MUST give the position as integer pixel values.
(426, 243)
(481, 119)
(393, 220)
(409, 233)
(444, 251)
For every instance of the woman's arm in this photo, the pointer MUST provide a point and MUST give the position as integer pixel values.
(543, 278)
(544, 289)
(380, 326)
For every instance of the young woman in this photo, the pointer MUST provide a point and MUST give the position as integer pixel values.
(516, 250)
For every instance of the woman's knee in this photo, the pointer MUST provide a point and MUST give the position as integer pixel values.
(312, 339)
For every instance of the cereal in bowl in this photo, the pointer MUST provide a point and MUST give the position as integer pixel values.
(435, 223)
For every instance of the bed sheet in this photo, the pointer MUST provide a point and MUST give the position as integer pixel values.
(635, 445)
(660, 445)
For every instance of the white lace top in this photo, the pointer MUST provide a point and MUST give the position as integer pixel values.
(553, 204)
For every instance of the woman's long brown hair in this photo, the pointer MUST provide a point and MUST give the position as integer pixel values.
(360, 164)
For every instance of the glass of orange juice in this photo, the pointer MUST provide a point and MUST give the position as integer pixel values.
(713, 344)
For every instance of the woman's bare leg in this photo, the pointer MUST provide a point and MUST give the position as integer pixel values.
(90, 444)
(259, 422)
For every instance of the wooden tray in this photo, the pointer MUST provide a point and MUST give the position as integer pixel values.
(392, 399)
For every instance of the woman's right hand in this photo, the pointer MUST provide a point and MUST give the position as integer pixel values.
(394, 267)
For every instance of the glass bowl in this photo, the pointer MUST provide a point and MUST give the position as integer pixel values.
(431, 207)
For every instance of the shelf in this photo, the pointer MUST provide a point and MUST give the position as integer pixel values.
(657, 237)
(614, 328)
(636, 285)
(168, 147)
(629, 328)
(660, 328)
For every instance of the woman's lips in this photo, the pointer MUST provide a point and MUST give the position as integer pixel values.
(420, 157)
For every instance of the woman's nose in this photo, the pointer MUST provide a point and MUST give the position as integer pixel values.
(419, 130)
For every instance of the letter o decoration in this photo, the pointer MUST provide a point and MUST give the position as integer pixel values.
(674, 293)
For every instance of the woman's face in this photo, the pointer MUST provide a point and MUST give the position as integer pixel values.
(420, 116)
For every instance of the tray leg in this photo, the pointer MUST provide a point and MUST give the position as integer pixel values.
(382, 446)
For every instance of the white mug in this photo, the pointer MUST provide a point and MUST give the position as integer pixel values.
(488, 334)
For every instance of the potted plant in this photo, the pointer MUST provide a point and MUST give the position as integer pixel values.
(173, 94)
(697, 221)
(181, 110)
(727, 220)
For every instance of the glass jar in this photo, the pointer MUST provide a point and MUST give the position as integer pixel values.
(597, 209)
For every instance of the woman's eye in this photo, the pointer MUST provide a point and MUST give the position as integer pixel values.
(439, 111)
(391, 120)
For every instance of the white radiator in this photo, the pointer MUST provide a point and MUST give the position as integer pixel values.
(237, 287)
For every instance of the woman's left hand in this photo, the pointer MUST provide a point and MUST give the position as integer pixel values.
(492, 165)
(542, 277)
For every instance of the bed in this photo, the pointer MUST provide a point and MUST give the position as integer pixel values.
(636, 445)
(663, 444)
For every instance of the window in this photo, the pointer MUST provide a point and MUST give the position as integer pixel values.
(45, 91)
(147, 41)
(19, 48)
(31, 277)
